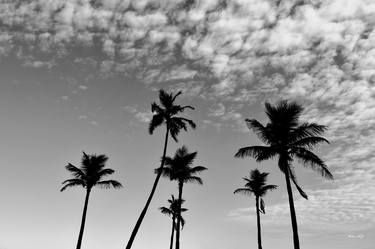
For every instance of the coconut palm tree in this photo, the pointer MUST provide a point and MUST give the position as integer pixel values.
(88, 175)
(166, 113)
(256, 185)
(172, 211)
(287, 139)
(179, 169)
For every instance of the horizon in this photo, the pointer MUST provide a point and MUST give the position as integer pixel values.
(81, 75)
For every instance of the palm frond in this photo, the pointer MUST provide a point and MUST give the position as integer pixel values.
(262, 207)
(174, 130)
(308, 142)
(193, 179)
(294, 180)
(308, 158)
(109, 183)
(286, 113)
(72, 183)
(187, 107)
(166, 211)
(307, 130)
(105, 172)
(76, 172)
(167, 172)
(244, 191)
(177, 94)
(182, 220)
(197, 169)
(156, 121)
(189, 121)
(156, 109)
(260, 153)
(260, 130)
(165, 98)
(269, 187)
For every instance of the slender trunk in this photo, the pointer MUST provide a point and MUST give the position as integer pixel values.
(79, 242)
(172, 234)
(143, 213)
(258, 224)
(292, 210)
(180, 185)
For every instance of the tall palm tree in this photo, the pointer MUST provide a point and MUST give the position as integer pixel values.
(179, 169)
(288, 139)
(172, 211)
(256, 184)
(166, 113)
(89, 175)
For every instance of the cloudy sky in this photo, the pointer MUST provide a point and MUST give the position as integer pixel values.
(80, 75)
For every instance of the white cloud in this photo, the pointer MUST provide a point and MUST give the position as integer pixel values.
(83, 87)
(143, 117)
(94, 123)
(218, 110)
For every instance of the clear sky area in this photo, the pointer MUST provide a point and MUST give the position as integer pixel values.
(80, 75)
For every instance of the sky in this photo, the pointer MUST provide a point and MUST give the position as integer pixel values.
(79, 75)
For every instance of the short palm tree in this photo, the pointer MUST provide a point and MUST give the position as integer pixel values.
(89, 175)
(179, 169)
(287, 139)
(256, 185)
(166, 113)
(172, 211)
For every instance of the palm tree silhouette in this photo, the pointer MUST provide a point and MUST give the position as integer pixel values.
(256, 184)
(166, 114)
(287, 139)
(90, 174)
(179, 169)
(172, 211)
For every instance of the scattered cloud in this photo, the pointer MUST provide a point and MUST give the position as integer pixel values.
(94, 123)
(348, 208)
(83, 87)
(143, 117)
(217, 111)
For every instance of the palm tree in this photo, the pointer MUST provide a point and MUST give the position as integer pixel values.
(256, 185)
(172, 211)
(179, 169)
(166, 113)
(90, 174)
(288, 139)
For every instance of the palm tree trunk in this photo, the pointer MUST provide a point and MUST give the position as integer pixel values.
(79, 242)
(172, 234)
(143, 213)
(180, 185)
(292, 209)
(258, 224)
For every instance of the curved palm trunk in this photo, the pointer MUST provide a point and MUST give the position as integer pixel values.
(258, 224)
(180, 185)
(292, 210)
(83, 221)
(143, 213)
(172, 234)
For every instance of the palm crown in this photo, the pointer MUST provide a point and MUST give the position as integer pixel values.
(256, 184)
(173, 208)
(287, 139)
(167, 112)
(90, 173)
(179, 167)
